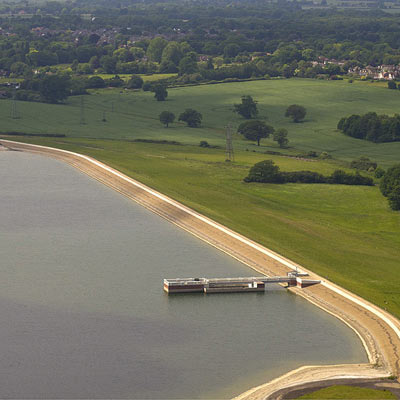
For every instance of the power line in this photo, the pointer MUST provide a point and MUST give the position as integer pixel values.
(82, 120)
(14, 110)
(230, 156)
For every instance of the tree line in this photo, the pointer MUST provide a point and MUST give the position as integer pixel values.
(268, 172)
(242, 40)
(371, 126)
(390, 186)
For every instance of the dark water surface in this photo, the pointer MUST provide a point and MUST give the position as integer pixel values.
(83, 313)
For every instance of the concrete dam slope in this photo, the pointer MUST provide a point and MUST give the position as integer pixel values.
(378, 330)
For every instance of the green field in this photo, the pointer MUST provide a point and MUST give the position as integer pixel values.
(348, 234)
(134, 114)
(348, 392)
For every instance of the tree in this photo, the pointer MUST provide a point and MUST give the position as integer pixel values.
(191, 117)
(123, 54)
(93, 38)
(364, 163)
(392, 85)
(373, 127)
(160, 92)
(280, 136)
(255, 130)
(231, 50)
(379, 173)
(167, 117)
(155, 49)
(94, 62)
(54, 88)
(390, 180)
(95, 82)
(394, 198)
(265, 171)
(137, 53)
(248, 107)
(172, 53)
(115, 81)
(19, 68)
(136, 82)
(296, 112)
(108, 63)
(390, 186)
(75, 65)
(188, 64)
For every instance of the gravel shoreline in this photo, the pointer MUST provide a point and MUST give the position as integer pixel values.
(378, 330)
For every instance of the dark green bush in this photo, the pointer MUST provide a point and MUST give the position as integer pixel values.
(363, 164)
(303, 177)
(266, 172)
(390, 186)
(340, 177)
(204, 143)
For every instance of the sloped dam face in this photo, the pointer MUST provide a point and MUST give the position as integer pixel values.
(84, 314)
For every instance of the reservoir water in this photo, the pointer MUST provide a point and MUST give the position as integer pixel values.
(83, 313)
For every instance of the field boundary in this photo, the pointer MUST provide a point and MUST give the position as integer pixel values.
(377, 329)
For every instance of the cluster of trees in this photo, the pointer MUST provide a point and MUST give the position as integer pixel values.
(390, 186)
(371, 126)
(192, 118)
(364, 164)
(54, 88)
(267, 172)
(243, 40)
(49, 88)
(256, 130)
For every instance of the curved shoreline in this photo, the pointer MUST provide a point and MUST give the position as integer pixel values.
(378, 330)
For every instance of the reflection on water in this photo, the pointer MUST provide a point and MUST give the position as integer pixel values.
(84, 314)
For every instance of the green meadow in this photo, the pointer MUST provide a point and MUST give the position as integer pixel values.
(349, 392)
(134, 114)
(347, 234)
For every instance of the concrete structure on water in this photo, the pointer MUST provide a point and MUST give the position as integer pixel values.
(232, 285)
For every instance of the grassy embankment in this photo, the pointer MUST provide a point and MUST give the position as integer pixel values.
(345, 233)
(134, 114)
(348, 392)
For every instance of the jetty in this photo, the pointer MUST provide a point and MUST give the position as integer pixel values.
(233, 285)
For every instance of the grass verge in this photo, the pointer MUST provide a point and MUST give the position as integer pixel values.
(343, 392)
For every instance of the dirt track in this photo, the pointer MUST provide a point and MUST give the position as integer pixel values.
(378, 330)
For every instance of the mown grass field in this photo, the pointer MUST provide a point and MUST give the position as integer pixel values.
(134, 114)
(348, 392)
(348, 234)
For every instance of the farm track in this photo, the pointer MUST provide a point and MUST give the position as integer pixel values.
(378, 330)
